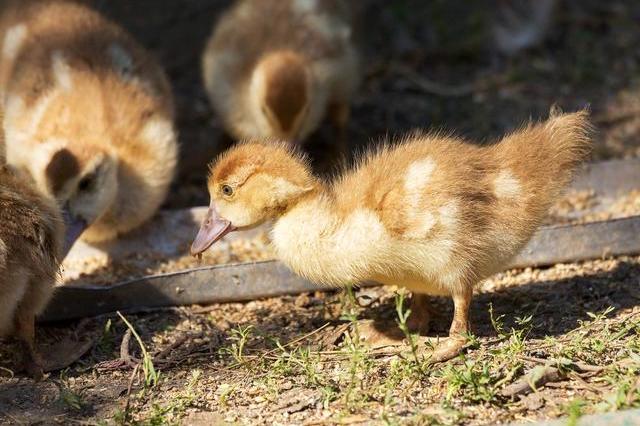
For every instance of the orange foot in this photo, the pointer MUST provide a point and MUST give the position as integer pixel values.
(448, 349)
(379, 335)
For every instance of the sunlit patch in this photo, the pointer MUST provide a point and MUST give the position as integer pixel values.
(13, 41)
(330, 250)
(505, 185)
(15, 104)
(61, 70)
(38, 112)
(416, 180)
(418, 175)
(159, 133)
(449, 215)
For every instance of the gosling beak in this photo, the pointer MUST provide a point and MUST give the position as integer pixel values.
(74, 227)
(212, 229)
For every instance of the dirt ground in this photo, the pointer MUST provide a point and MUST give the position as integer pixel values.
(298, 360)
(301, 360)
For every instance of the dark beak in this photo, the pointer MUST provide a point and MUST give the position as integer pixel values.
(212, 229)
(74, 227)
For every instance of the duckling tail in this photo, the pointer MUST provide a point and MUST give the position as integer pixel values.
(547, 154)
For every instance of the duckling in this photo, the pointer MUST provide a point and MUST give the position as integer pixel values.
(430, 213)
(278, 77)
(522, 24)
(31, 244)
(89, 115)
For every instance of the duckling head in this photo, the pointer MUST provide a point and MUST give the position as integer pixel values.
(283, 102)
(84, 182)
(74, 129)
(249, 184)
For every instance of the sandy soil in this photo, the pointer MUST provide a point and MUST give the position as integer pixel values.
(296, 359)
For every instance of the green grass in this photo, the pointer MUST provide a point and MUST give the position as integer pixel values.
(239, 338)
(151, 375)
(68, 397)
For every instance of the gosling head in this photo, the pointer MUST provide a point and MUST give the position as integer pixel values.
(249, 184)
(84, 182)
(68, 158)
(283, 103)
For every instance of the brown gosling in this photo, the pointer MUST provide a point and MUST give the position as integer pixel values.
(277, 78)
(31, 244)
(88, 114)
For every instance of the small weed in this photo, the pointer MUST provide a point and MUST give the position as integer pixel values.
(300, 360)
(224, 392)
(403, 317)
(472, 381)
(359, 363)
(308, 363)
(497, 322)
(358, 367)
(169, 413)
(600, 316)
(574, 411)
(106, 344)
(349, 305)
(151, 376)
(626, 393)
(239, 336)
(69, 398)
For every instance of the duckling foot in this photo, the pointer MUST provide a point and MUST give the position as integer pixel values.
(449, 349)
(30, 360)
(456, 341)
(379, 335)
(29, 357)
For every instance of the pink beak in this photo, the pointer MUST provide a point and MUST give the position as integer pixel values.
(212, 229)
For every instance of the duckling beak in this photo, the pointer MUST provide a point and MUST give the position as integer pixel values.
(212, 229)
(74, 227)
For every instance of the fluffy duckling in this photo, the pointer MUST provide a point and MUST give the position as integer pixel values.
(31, 244)
(432, 213)
(278, 77)
(89, 115)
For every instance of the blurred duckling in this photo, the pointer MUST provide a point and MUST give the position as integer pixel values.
(430, 213)
(89, 115)
(31, 244)
(522, 24)
(278, 77)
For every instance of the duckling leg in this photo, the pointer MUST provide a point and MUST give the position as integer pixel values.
(33, 302)
(339, 114)
(25, 332)
(454, 344)
(420, 313)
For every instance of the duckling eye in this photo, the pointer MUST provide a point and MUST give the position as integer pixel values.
(227, 190)
(86, 183)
